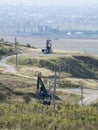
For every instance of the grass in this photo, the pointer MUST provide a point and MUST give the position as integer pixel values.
(18, 106)
(64, 117)
(15, 86)
(74, 67)
(33, 71)
(15, 89)
(67, 97)
(79, 66)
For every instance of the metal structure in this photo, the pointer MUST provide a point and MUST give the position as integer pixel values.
(42, 92)
(16, 51)
(48, 49)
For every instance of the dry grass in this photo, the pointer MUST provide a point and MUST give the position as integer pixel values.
(27, 74)
(33, 71)
(68, 97)
(87, 83)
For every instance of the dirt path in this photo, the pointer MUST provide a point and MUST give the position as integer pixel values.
(90, 95)
(12, 69)
(3, 63)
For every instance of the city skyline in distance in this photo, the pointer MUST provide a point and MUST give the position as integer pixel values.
(79, 3)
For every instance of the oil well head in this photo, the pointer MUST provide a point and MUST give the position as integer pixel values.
(42, 92)
(48, 48)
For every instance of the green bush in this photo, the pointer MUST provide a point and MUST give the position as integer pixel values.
(27, 98)
(28, 45)
(2, 96)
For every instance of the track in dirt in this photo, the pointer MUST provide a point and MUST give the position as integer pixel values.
(89, 95)
(8, 67)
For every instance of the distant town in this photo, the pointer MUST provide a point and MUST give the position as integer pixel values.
(54, 22)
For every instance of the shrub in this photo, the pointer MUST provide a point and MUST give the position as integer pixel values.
(27, 98)
(2, 97)
(28, 45)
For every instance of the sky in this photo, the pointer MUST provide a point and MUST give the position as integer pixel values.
(52, 2)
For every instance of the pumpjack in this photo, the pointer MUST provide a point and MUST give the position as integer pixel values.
(42, 92)
(48, 49)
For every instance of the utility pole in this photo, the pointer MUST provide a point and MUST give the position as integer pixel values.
(16, 51)
(69, 67)
(54, 88)
(81, 95)
(59, 73)
(49, 87)
(81, 86)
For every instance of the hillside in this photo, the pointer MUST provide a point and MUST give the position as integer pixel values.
(6, 48)
(70, 65)
(19, 107)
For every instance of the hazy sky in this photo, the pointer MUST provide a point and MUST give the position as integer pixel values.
(52, 2)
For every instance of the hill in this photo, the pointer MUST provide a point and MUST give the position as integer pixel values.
(6, 48)
(19, 108)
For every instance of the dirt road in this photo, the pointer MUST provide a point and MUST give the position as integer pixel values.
(3, 63)
(89, 95)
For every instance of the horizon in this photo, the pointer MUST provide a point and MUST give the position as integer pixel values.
(73, 3)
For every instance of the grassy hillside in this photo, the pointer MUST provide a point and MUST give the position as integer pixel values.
(77, 66)
(73, 67)
(19, 108)
(14, 87)
(6, 48)
(39, 117)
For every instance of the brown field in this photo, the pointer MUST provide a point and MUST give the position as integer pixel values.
(85, 45)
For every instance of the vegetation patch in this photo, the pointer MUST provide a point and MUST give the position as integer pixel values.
(67, 97)
(39, 117)
(76, 66)
(68, 84)
(3, 92)
(6, 48)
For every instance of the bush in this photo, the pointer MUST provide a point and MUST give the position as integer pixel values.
(28, 45)
(27, 98)
(2, 97)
